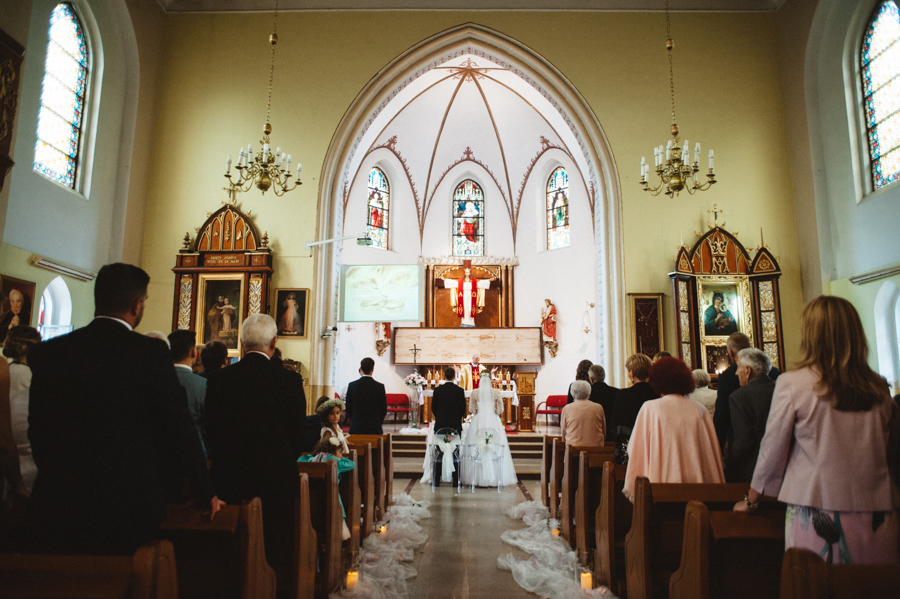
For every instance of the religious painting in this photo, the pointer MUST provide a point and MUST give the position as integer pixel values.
(558, 210)
(16, 304)
(646, 323)
(720, 309)
(379, 207)
(468, 219)
(291, 311)
(219, 310)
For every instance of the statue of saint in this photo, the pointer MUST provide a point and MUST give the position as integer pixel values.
(468, 296)
(548, 320)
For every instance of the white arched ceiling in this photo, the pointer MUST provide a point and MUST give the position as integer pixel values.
(470, 110)
(428, 90)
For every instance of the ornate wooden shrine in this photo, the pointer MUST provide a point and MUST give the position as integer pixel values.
(498, 299)
(222, 279)
(720, 289)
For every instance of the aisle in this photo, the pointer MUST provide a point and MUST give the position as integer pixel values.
(459, 561)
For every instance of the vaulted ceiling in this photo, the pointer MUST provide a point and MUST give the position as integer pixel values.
(551, 5)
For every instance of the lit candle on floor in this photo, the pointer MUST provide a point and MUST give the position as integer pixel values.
(556, 531)
(382, 528)
(352, 578)
(587, 581)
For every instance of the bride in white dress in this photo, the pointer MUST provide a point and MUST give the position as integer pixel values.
(487, 405)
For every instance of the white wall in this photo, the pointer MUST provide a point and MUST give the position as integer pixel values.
(567, 276)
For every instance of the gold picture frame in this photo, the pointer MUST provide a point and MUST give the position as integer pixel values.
(217, 291)
(300, 329)
(734, 313)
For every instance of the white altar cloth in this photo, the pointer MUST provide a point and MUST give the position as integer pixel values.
(503, 394)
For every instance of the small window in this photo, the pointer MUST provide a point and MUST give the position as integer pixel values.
(379, 207)
(558, 210)
(468, 219)
(60, 120)
(880, 67)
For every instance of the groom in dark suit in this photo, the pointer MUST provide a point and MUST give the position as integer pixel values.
(366, 402)
(449, 408)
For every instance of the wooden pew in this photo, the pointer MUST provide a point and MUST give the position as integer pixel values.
(149, 574)
(571, 460)
(366, 479)
(325, 515)
(729, 554)
(387, 466)
(587, 500)
(350, 496)
(546, 463)
(653, 545)
(805, 575)
(612, 521)
(380, 459)
(303, 575)
(557, 457)
(222, 557)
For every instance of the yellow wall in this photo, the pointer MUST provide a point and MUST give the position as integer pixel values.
(211, 101)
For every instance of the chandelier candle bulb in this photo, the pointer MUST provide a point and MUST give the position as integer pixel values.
(299, 168)
(697, 154)
(228, 165)
(643, 165)
(711, 161)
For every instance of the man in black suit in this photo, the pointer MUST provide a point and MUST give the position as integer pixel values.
(601, 393)
(366, 402)
(749, 413)
(449, 408)
(255, 433)
(109, 427)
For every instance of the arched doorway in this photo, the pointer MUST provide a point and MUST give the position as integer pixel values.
(577, 123)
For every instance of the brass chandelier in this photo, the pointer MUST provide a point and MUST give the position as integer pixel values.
(266, 169)
(672, 164)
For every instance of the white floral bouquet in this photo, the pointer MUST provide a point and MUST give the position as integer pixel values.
(468, 419)
(415, 380)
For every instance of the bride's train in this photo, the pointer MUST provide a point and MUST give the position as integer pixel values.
(553, 570)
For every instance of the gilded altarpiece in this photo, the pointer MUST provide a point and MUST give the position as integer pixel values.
(221, 277)
(719, 289)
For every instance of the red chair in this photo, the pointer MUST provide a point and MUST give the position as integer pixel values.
(552, 406)
(397, 403)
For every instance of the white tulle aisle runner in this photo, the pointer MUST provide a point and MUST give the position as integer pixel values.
(384, 556)
(553, 567)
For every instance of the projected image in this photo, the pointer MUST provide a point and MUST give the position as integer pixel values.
(380, 293)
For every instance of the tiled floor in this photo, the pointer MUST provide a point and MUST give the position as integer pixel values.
(459, 561)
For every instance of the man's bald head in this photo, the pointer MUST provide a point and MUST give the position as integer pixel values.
(476, 359)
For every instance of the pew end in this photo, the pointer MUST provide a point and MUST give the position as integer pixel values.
(805, 575)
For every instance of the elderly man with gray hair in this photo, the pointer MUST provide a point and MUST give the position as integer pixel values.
(583, 422)
(255, 433)
(749, 413)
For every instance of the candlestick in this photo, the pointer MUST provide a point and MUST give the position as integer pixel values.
(228, 165)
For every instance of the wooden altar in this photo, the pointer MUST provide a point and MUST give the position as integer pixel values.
(222, 279)
(719, 288)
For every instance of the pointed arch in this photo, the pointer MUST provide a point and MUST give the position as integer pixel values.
(348, 146)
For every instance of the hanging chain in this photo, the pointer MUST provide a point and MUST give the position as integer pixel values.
(669, 46)
(273, 39)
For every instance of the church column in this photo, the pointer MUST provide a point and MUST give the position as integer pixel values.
(429, 295)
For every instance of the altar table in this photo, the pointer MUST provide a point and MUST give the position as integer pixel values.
(510, 397)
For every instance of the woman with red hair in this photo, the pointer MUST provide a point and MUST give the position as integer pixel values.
(674, 440)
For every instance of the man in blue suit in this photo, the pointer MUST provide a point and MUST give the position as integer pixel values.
(184, 353)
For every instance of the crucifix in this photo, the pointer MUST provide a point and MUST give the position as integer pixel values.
(414, 400)
(716, 211)
(415, 352)
(467, 297)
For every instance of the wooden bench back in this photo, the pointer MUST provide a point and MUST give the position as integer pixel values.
(351, 498)
(653, 545)
(557, 459)
(149, 574)
(729, 554)
(546, 463)
(306, 543)
(805, 575)
(587, 500)
(571, 460)
(387, 466)
(325, 515)
(366, 478)
(612, 521)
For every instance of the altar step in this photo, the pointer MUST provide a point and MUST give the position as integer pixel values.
(409, 452)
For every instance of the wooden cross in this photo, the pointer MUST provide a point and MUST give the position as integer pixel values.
(415, 352)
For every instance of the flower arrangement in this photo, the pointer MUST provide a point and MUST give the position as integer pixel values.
(415, 380)
(487, 438)
(468, 419)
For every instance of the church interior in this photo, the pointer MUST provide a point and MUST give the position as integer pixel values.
(485, 148)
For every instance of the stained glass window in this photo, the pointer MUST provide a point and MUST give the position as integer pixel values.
(468, 219)
(558, 210)
(62, 98)
(379, 207)
(880, 62)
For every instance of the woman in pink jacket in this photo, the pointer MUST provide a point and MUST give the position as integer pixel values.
(825, 450)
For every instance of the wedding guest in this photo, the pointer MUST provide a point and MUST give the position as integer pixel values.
(601, 393)
(159, 335)
(330, 449)
(255, 435)
(184, 354)
(19, 342)
(749, 413)
(728, 384)
(314, 426)
(329, 413)
(674, 440)
(213, 356)
(629, 401)
(661, 354)
(582, 422)
(703, 394)
(366, 401)
(825, 452)
(108, 421)
(10, 471)
(581, 374)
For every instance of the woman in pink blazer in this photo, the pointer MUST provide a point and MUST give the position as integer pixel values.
(825, 450)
